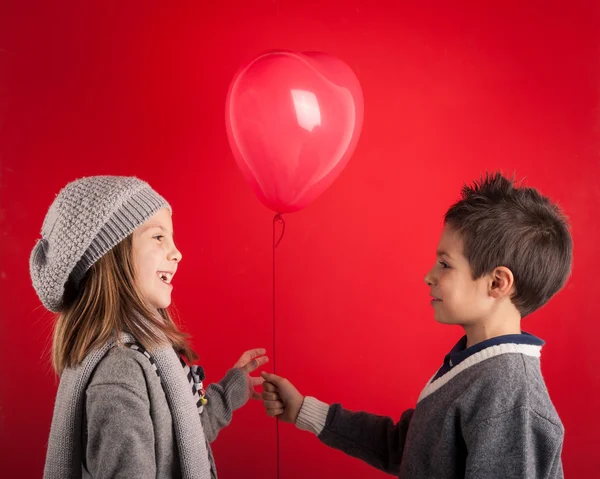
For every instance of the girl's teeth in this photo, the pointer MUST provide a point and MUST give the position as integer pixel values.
(164, 277)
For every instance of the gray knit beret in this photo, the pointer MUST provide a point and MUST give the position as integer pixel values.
(87, 219)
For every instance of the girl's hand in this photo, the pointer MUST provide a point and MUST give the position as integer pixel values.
(250, 361)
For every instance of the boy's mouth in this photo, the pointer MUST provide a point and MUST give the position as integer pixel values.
(435, 300)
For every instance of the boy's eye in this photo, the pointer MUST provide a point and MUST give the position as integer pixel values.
(444, 265)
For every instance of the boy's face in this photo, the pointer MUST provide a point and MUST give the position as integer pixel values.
(455, 296)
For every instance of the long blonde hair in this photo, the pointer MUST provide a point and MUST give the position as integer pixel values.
(107, 303)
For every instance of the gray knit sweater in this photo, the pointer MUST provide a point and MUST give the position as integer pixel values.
(115, 417)
(490, 417)
(128, 426)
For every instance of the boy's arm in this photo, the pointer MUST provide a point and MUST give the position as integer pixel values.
(519, 443)
(374, 439)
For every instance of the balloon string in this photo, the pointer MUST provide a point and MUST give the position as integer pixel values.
(276, 219)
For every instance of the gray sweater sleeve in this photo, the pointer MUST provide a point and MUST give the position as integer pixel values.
(112, 450)
(224, 397)
(376, 440)
(519, 443)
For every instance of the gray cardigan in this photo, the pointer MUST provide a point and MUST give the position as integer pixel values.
(128, 425)
(490, 417)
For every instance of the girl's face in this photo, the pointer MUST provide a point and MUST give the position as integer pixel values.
(155, 259)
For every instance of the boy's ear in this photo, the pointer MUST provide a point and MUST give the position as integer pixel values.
(502, 282)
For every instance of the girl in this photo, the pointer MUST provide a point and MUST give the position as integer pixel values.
(127, 404)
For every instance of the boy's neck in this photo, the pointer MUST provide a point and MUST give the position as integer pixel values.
(481, 331)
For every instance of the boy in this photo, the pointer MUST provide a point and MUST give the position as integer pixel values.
(503, 253)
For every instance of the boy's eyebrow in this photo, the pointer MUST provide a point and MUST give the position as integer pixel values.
(443, 253)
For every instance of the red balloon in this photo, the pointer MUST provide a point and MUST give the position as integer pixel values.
(293, 121)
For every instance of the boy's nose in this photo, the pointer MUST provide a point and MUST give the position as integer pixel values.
(429, 279)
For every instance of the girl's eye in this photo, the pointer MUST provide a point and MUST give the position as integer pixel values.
(444, 265)
(158, 237)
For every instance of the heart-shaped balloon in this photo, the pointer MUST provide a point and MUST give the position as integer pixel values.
(293, 121)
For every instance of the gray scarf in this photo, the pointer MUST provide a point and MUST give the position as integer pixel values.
(64, 455)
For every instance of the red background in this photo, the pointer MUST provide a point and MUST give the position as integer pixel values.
(450, 91)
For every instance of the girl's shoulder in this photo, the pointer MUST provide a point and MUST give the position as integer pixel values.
(126, 367)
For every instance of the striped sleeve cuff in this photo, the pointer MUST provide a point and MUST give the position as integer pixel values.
(313, 415)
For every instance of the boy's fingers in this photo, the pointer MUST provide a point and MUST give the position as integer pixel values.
(269, 387)
(267, 396)
(274, 412)
(272, 378)
(273, 404)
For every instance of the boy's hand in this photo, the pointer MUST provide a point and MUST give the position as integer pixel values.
(281, 398)
(249, 362)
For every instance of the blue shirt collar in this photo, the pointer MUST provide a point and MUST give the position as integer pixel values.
(460, 352)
